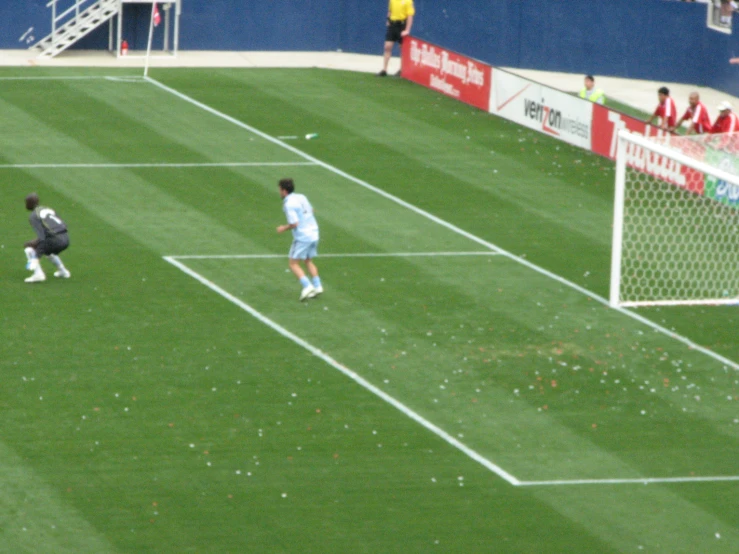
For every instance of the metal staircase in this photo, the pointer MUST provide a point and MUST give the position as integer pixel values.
(74, 23)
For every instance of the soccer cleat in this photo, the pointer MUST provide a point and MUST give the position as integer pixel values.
(382, 73)
(62, 274)
(316, 291)
(306, 293)
(36, 278)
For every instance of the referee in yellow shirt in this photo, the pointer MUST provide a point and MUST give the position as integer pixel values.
(399, 22)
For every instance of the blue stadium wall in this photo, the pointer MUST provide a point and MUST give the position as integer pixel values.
(659, 40)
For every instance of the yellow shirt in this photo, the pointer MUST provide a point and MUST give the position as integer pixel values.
(400, 10)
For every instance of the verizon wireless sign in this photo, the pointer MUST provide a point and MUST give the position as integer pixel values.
(447, 72)
(541, 108)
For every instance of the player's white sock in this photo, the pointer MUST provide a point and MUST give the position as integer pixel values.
(61, 271)
(57, 261)
(33, 263)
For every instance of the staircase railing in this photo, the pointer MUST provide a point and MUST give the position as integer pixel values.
(60, 19)
(73, 23)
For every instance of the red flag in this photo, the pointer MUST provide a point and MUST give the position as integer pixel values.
(155, 15)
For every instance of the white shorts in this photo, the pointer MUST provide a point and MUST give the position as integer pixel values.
(301, 250)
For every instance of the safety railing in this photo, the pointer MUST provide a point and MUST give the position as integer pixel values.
(59, 19)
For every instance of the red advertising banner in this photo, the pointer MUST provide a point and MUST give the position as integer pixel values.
(447, 72)
(606, 125)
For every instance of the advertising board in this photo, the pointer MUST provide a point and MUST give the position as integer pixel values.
(447, 72)
(605, 127)
(542, 108)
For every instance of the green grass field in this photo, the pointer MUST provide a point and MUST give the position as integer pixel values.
(461, 386)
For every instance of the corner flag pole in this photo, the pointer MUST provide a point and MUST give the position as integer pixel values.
(155, 19)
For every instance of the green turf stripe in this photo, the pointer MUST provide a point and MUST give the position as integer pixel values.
(35, 518)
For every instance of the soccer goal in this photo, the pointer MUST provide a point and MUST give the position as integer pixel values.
(676, 220)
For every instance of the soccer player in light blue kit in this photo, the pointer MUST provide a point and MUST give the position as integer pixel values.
(302, 222)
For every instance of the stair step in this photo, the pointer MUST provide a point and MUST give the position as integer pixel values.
(76, 28)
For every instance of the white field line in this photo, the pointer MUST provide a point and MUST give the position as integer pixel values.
(127, 79)
(57, 78)
(350, 255)
(635, 481)
(348, 372)
(686, 341)
(155, 165)
(402, 407)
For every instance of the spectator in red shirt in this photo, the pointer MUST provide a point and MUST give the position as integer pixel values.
(666, 110)
(697, 114)
(727, 121)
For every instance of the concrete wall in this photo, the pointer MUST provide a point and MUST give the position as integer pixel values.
(643, 39)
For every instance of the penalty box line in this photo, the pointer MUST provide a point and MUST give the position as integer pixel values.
(335, 255)
(348, 372)
(446, 437)
(151, 165)
(630, 481)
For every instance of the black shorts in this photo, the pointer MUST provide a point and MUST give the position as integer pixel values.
(53, 245)
(393, 31)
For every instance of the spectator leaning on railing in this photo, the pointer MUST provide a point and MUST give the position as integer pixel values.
(666, 111)
(727, 121)
(697, 115)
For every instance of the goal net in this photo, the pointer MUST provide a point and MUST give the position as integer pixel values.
(676, 220)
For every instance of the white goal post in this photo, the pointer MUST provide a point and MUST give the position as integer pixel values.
(676, 221)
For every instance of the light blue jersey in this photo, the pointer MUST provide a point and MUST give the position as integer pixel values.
(298, 210)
